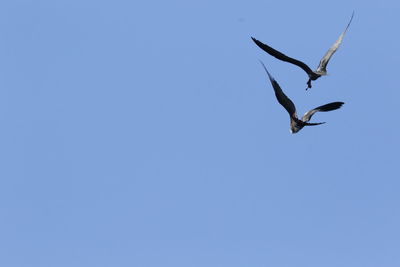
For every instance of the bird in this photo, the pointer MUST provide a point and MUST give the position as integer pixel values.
(297, 124)
(321, 69)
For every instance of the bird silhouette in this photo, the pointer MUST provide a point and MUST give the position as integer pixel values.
(297, 124)
(321, 69)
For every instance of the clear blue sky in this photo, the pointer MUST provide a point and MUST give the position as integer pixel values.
(146, 133)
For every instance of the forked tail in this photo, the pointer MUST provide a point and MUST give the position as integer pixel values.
(308, 84)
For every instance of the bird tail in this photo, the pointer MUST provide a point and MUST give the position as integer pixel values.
(313, 123)
(309, 84)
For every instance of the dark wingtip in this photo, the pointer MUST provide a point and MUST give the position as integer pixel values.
(339, 104)
(331, 106)
(265, 68)
(351, 19)
(254, 40)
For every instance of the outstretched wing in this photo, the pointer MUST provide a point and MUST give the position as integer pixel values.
(283, 57)
(328, 107)
(324, 61)
(282, 98)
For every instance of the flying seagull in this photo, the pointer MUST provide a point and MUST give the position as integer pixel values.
(296, 124)
(312, 75)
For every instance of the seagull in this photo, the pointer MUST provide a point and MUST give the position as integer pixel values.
(296, 124)
(312, 75)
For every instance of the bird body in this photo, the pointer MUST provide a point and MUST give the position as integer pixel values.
(297, 124)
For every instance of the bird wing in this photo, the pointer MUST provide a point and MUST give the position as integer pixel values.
(280, 96)
(328, 107)
(283, 57)
(324, 61)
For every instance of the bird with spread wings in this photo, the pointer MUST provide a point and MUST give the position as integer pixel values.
(321, 69)
(297, 124)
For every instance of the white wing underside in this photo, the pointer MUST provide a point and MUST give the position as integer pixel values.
(307, 116)
(321, 70)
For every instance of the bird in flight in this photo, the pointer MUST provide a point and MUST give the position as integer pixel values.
(295, 123)
(321, 69)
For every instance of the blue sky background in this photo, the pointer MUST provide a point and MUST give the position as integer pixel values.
(146, 133)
